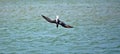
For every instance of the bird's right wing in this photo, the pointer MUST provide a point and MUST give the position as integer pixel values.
(48, 19)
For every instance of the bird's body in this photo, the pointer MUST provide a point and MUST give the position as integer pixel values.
(57, 22)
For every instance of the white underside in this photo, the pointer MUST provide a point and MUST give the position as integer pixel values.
(57, 17)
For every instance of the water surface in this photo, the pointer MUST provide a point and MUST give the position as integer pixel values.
(96, 27)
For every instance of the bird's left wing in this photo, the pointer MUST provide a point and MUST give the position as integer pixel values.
(65, 25)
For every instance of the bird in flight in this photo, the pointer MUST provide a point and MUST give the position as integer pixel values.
(57, 22)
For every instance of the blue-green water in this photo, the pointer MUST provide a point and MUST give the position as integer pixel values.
(96, 27)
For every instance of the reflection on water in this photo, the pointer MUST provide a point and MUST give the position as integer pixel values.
(96, 27)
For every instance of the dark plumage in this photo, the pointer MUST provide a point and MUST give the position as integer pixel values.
(57, 22)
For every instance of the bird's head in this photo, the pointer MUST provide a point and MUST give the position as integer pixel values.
(57, 17)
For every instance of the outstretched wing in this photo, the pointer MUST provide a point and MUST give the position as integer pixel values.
(48, 19)
(65, 25)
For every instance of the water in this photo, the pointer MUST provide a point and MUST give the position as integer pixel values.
(96, 27)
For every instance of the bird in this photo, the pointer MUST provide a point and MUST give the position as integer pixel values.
(57, 22)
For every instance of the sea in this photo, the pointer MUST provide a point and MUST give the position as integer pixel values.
(96, 27)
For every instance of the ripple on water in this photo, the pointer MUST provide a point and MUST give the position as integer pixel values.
(24, 31)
